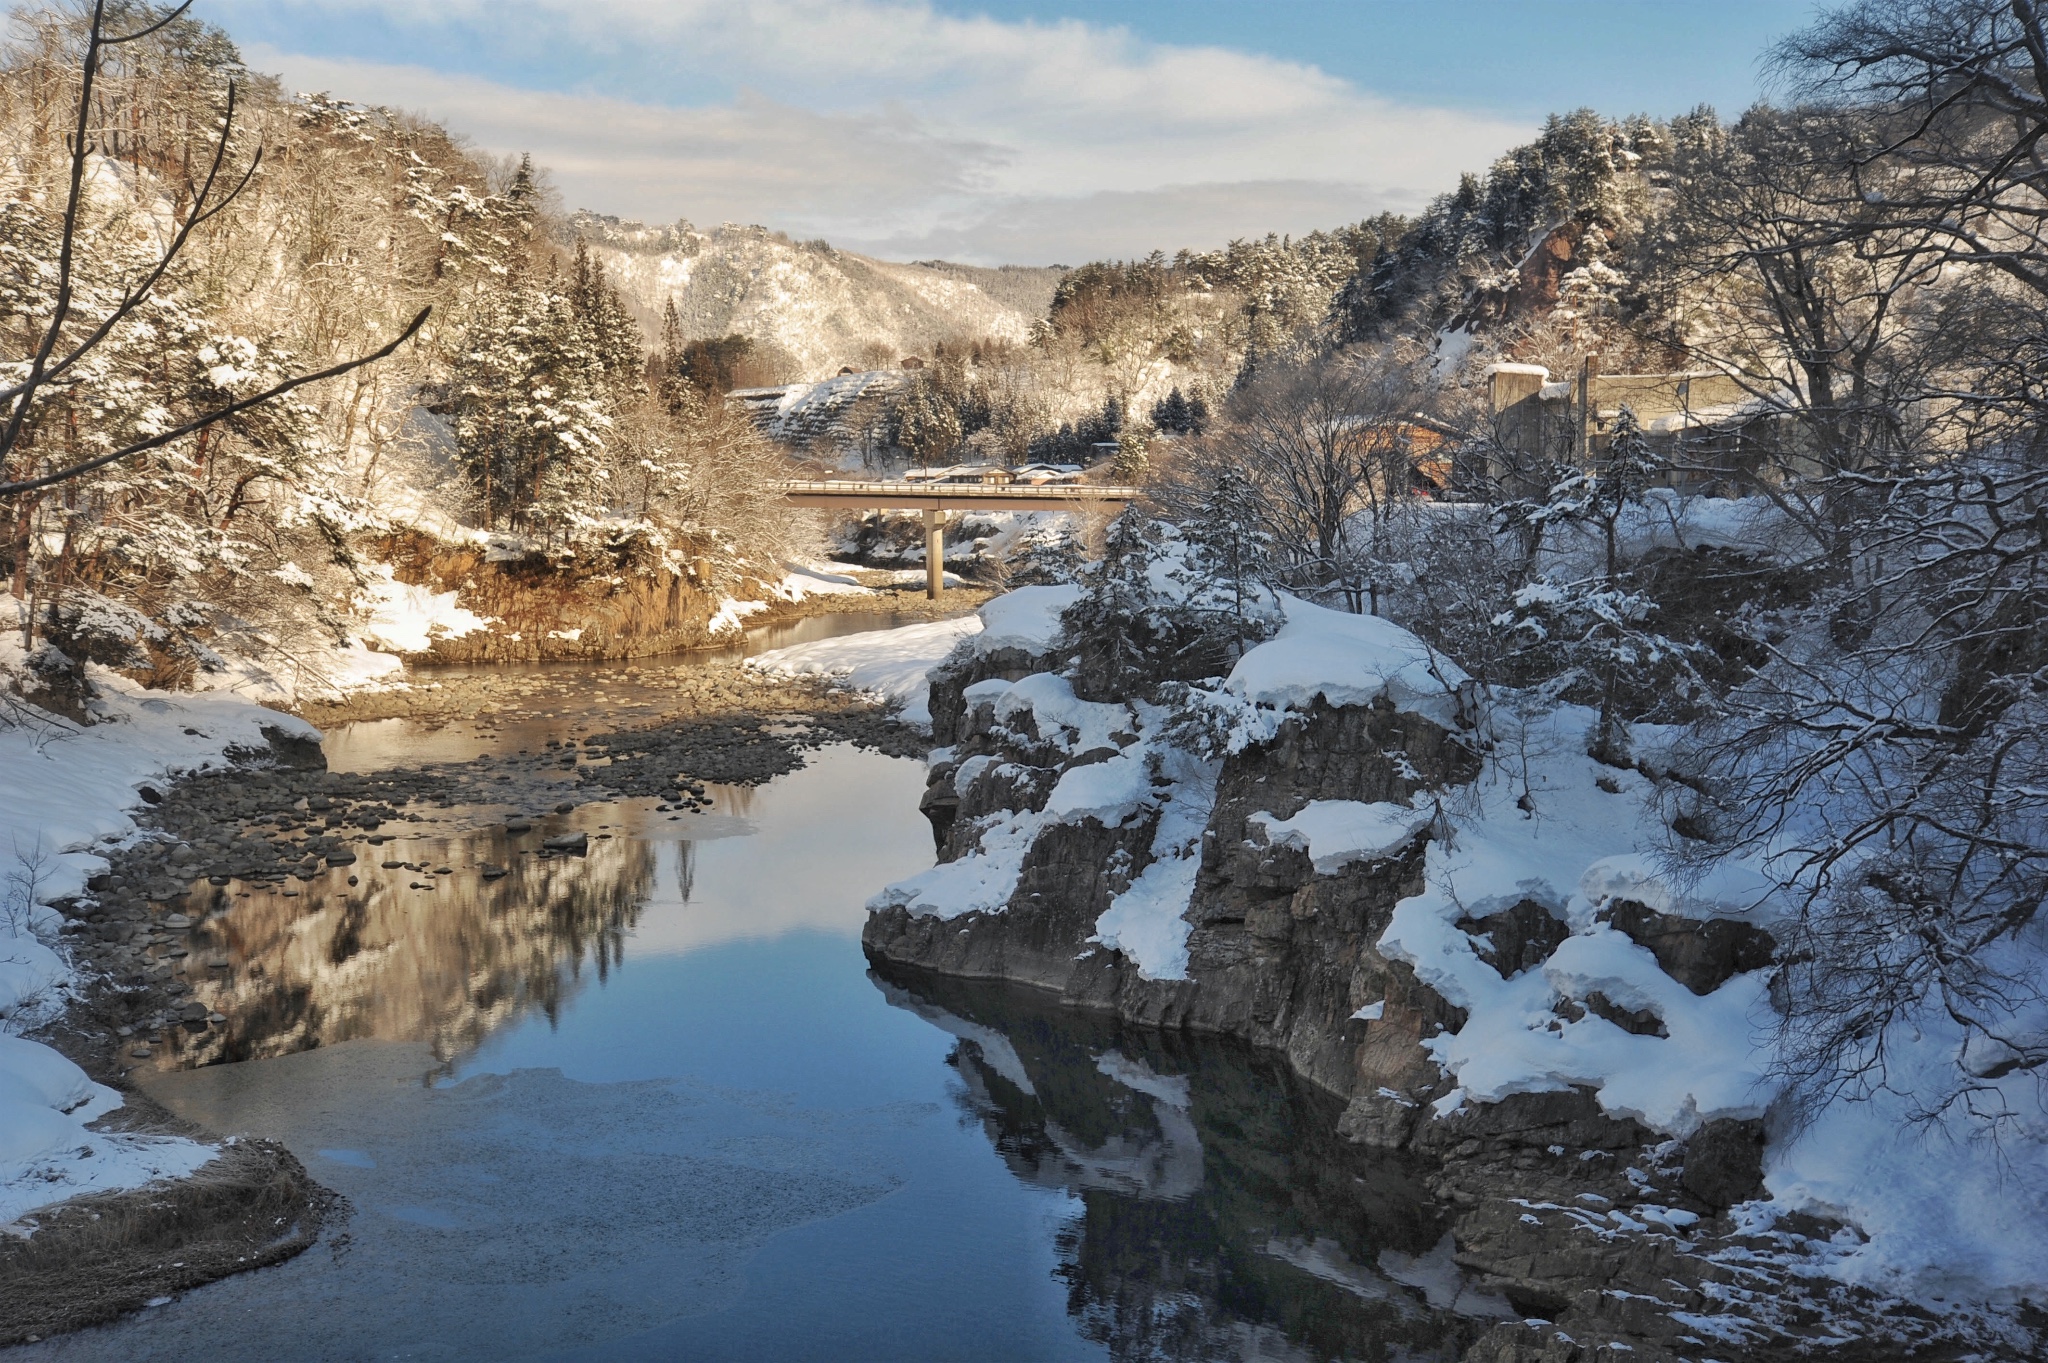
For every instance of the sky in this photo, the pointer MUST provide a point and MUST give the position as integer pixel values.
(1011, 131)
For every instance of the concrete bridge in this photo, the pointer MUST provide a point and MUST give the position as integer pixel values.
(937, 499)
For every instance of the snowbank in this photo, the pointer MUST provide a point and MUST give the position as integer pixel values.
(66, 793)
(1346, 660)
(68, 787)
(46, 1153)
(731, 615)
(1568, 840)
(890, 663)
(801, 580)
(979, 883)
(1336, 833)
(404, 618)
(1953, 1206)
(1027, 619)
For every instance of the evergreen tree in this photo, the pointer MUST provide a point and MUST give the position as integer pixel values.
(531, 411)
(926, 424)
(678, 397)
(611, 332)
(1232, 558)
(1170, 413)
(1113, 625)
(1131, 460)
(1595, 634)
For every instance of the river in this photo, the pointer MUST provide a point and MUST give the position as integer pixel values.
(650, 1103)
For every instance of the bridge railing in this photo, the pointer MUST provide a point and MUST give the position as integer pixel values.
(1045, 492)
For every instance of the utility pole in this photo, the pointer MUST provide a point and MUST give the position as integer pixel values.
(1589, 370)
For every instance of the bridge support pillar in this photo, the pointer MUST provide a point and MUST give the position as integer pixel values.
(934, 552)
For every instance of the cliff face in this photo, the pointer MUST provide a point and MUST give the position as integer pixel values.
(1277, 954)
(1271, 947)
(1292, 893)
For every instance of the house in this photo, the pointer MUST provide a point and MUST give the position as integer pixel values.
(960, 473)
(1708, 425)
(1042, 474)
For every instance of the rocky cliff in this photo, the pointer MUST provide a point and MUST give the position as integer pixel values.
(1440, 923)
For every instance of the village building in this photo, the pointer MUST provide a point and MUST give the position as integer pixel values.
(1712, 430)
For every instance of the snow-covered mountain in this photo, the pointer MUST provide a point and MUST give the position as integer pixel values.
(809, 307)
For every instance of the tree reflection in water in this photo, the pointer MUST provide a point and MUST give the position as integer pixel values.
(388, 960)
(1222, 1217)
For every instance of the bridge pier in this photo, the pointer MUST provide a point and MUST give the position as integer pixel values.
(936, 499)
(934, 552)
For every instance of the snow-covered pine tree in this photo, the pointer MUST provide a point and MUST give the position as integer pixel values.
(530, 408)
(1231, 560)
(611, 332)
(1132, 459)
(1135, 626)
(926, 424)
(1594, 634)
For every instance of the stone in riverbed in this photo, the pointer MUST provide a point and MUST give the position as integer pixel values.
(575, 843)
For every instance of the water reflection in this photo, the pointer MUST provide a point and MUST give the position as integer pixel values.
(1222, 1216)
(440, 938)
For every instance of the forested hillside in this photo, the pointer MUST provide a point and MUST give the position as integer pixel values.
(809, 309)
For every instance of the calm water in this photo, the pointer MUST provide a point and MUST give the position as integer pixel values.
(651, 1104)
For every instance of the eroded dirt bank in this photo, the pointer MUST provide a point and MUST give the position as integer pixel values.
(630, 599)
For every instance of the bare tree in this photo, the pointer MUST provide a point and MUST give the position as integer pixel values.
(1324, 441)
(1889, 758)
(68, 339)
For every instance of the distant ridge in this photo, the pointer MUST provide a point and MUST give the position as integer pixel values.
(810, 308)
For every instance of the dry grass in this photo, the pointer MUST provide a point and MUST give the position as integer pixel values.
(98, 1257)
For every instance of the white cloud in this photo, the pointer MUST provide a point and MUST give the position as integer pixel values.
(889, 126)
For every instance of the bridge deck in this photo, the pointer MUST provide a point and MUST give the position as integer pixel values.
(936, 499)
(902, 496)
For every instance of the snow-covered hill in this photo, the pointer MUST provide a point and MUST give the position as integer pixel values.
(809, 307)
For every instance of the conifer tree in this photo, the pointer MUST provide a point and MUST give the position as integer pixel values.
(1595, 633)
(1131, 458)
(1170, 413)
(1113, 625)
(1232, 558)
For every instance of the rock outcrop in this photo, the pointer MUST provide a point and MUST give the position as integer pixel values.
(1086, 850)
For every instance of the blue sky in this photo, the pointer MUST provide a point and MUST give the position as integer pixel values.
(1027, 131)
(1522, 58)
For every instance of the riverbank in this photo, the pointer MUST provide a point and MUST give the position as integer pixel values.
(148, 965)
(440, 604)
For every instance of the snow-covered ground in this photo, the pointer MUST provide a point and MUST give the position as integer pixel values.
(892, 664)
(1953, 1206)
(66, 792)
